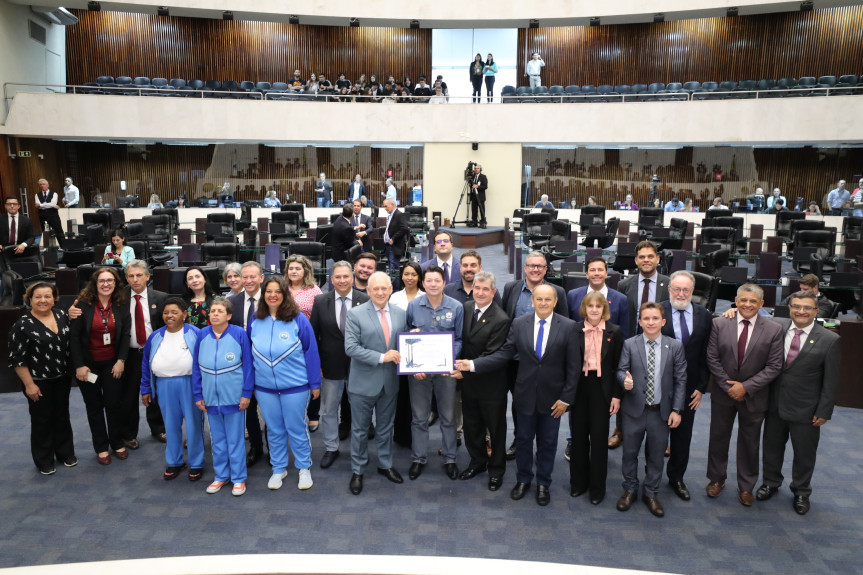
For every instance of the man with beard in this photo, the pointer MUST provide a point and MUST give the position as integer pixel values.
(470, 264)
(364, 267)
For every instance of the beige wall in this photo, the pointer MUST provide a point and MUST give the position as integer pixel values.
(443, 177)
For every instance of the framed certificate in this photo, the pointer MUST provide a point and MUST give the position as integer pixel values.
(426, 352)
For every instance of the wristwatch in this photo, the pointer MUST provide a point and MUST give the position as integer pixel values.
(677, 411)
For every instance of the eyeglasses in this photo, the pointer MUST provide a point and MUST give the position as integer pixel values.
(535, 266)
(105, 282)
(683, 291)
(796, 307)
(441, 242)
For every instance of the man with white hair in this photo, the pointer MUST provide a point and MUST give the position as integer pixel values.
(543, 202)
(324, 192)
(391, 193)
(71, 194)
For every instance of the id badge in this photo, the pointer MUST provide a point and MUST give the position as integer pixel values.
(106, 339)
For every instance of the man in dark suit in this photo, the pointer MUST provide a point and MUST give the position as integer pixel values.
(13, 221)
(362, 225)
(478, 186)
(744, 355)
(343, 235)
(597, 273)
(801, 399)
(483, 396)
(548, 372)
(328, 319)
(245, 304)
(356, 189)
(444, 258)
(395, 233)
(652, 371)
(647, 285)
(690, 324)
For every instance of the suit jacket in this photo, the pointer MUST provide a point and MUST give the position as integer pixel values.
(762, 361)
(485, 338)
(454, 270)
(367, 241)
(24, 230)
(364, 344)
(513, 289)
(335, 363)
(629, 288)
(80, 333)
(612, 343)
(808, 386)
(697, 373)
(539, 383)
(617, 305)
(399, 231)
(481, 188)
(349, 193)
(238, 300)
(633, 358)
(342, 238)
(156, 301)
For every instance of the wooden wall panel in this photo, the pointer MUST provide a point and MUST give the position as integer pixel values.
(124, 44)
(790, 44)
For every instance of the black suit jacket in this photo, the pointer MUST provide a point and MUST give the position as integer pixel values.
(485, 338)
(481, 188)
(513, 289)
(629, 287)
(398, 231)
(349, 194)
(697, 372)
(539, 383)
(335, 363)
(612, 342)
(367, 241)
(80, 333)
(156, 302)
(24, 231)
(342, 237)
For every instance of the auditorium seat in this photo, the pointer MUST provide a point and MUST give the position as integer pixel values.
(507, 95)
(624, 90)
(557, 92)
(572, 91)
(590, 91)
(142, 82)
(704, 92)
(852, 228)
(674, 92)
(691, 86)
(102, 80)
(177, 83)
(746, 89)
(525, 94)
(540, 94)
(607, 94)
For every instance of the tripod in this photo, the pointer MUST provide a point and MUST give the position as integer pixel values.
(465, 193)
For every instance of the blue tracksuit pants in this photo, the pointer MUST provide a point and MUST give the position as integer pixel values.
(227, 432)
(176, 403)
(287, 426)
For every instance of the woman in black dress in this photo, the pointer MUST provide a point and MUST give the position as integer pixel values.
(39, 354)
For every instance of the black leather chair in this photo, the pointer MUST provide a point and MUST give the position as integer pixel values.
(12, 289)
(598, 213)
(220, 254)
(824, 244)
(173, 213)
(606, 239)
(716, 260)
(102, 219)
(726, 237)
(536, 227)
(291, 221)
(852, 228)
(417, 218)
(352, 253)
(297, 208)
(782, 224)
(732, 222)
(76, 253)
(157, 229)
(228, 223)
(316, 252)
(705, 290)
(648, 215)
(116, 215)
(798, 226)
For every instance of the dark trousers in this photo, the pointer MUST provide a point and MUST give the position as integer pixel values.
(104, 403)
(544, 428)
(489, 87)
(477, 206)
(313, 410)
(680, 438)
(588, 423)
(479, 414)
(392, 258)
(651, 429)
(477, 88)
(804, 441)
(722, 418)
(131, 399)
(253, 425)
(52, 219)
(511, 373)
(50, 428)
(402, 423)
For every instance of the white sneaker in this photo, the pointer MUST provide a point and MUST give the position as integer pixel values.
(239, 489)
(305, 481)
(215, 486)
(275, 481)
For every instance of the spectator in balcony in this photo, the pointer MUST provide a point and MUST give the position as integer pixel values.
(489, 69)
(155, 202)
(342, 82)
(362, 83)
(533, 68)
(408, 83)
(375, 94)
(857, 199)
(272, 200)
(312, 86)
(325, 86)
(423, 91)
(438, 97)
(674, 205)
(297, 84)
(543, 202)
(476, 76)
(443, 86)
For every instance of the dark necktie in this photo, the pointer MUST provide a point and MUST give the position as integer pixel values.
(343, 313)
(475, 318)
(795, 346)
(446, 273)
(356, 221)
(13, 232)
(539, 336)
(741, 343)
(646, 293)
(140, 326)
(684, 329)
(651, 371)
(250, 313)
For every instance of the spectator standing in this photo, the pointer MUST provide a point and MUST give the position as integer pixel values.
(489, 69)
(476, 76)
(533, 69)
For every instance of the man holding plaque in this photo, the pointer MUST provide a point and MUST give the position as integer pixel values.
(434, 312)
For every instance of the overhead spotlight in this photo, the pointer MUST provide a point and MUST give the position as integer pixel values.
(657, 18)
(355, 22)
(732, 12)
(807, 6)
(162, 11)
(294, 19)
(227, 15)
(533, 24)
(594, 21)
(94, 6)
(415, 24)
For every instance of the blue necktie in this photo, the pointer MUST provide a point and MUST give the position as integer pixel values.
(684, 329)
(539, 339)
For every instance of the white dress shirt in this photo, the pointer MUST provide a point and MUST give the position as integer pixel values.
(246, 298)
(145, 307)
(545, 331)
(789, 335)
(348, 302)
(18, 240)
(740, 327)
(71, 195)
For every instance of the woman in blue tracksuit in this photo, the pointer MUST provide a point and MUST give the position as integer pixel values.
(222, 385)
(166, 377)
(287, 373)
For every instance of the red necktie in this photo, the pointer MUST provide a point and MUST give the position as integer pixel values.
(12, 232)
(140, 327)
(741, 343)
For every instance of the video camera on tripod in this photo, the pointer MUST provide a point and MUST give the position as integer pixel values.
(465, 195)
(468, 171)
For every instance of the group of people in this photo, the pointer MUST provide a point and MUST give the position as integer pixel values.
(371, 89)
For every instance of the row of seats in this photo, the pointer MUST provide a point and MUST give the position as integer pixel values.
(658, 91)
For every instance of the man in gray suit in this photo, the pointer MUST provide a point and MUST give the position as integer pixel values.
(652, 371)
(801, 399)
(373, 385)
(744, 354)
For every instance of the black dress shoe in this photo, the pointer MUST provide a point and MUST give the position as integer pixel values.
(328, 458)
(391, 474)
(801, 504)
(542, 495)
(573, 492)
(471, 472)
(680, 489)
(451, 470)
(653, 505)
(344, 430)
(510, 453)
(625, 501)
(254, 455)
(519, 490)
(597, 498)
(494, 483)
(372, 431)
(765, 492)
(415, 470)
(356, 484)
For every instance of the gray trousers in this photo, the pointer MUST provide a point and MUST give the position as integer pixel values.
(804, 442)
(650, 425)
(443, 387)
(384, 406)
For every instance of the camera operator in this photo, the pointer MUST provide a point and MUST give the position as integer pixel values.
(479, 183)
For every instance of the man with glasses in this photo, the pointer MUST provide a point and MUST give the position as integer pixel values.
(444, 259)
(801, 400)
(16, 230)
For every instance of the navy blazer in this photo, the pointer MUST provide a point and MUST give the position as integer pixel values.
(633, 358)
(629, 287)
(513, 289)
(454, 270)
(349, 194)
(617, 305)
(697, 372)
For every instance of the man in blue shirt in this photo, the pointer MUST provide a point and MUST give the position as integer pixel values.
(434, 312)
(837, 198)
(674, 205)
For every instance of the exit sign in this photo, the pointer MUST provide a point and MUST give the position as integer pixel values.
(23, 154)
